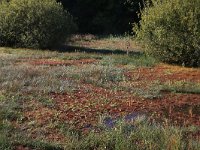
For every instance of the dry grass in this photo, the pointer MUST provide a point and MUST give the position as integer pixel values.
(110, 42)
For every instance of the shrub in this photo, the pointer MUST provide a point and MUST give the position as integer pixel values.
(170, 31)
(34, 23)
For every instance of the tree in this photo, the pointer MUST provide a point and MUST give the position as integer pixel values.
(104, 16)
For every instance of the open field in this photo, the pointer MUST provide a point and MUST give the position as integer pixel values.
(104, 99)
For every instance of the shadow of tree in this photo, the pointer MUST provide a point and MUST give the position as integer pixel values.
(69, 48)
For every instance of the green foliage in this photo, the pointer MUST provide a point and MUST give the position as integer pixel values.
(34, 23)
(170, 31)
(5, 144)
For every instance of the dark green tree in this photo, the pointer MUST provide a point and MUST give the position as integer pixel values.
(104, 16)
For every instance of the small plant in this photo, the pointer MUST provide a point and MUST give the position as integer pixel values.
(10, 110)
(151, 92)
(99, 74)
(5, 144)
(140, 60)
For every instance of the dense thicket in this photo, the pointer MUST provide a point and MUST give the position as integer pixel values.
(104, 16)
(33, 23)
(170, 31)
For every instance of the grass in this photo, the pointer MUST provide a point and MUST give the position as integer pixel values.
(31, 117)
(139, 60)
(105, 42)
(27, 78)
(141, 135)
(182, 87)
(98, 74)
(5, 130)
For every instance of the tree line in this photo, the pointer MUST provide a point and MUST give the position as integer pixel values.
(104, 16)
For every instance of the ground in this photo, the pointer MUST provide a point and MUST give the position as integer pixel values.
(44, 92)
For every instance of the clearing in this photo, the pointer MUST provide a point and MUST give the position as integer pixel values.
(44, 94)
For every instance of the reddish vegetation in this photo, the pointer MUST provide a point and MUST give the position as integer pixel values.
(165, 73)
(180, 108)
(83, 107)
(22, 148)
(41, 117)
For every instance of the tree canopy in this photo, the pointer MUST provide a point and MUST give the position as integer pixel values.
(104, 16)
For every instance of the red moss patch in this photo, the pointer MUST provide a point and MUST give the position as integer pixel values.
(179, 108)
(165, 73)
(85, 106)
(39, 123)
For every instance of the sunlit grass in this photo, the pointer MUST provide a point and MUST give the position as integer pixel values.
(25, 87)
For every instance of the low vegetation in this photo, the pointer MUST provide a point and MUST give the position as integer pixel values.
(78, 100)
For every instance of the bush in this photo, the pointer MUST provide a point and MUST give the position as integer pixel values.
(170, 31)
(34, 23)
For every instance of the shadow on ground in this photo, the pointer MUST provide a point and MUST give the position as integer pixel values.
(68, 48)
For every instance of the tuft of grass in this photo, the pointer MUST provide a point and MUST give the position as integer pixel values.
(150, 92)
(101, 75)
(136, 136)
(4, 141)
(5, 129)
(137, 60)
(182, 87)
(10, 108)
(27, 78)
(28, 53)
